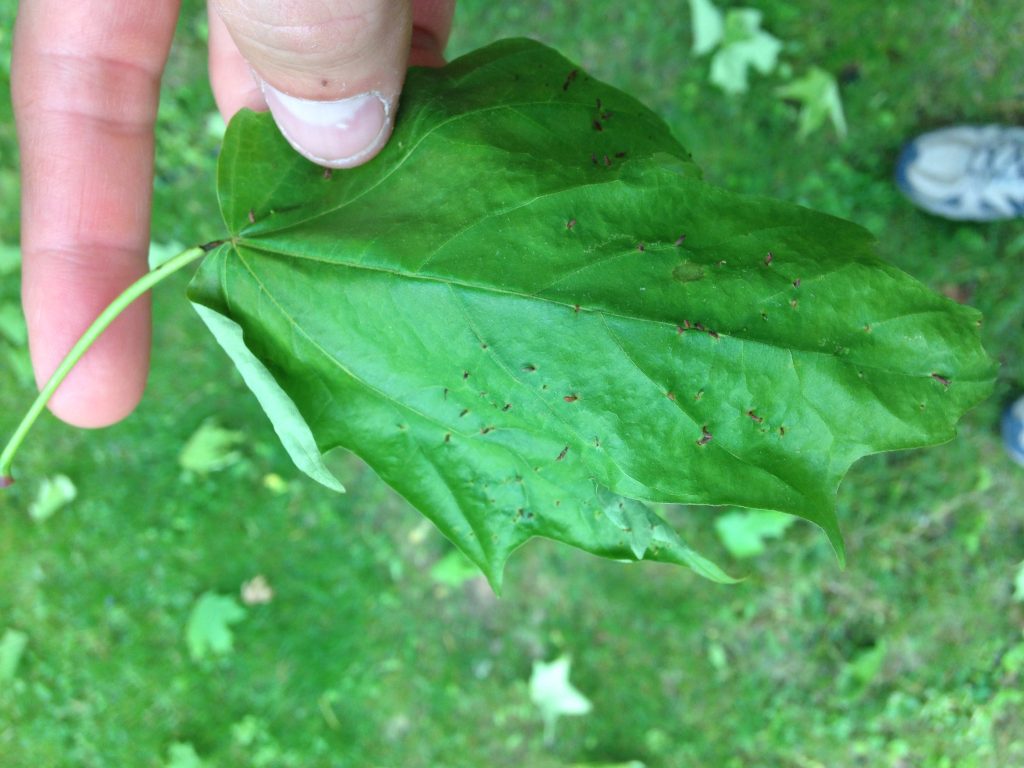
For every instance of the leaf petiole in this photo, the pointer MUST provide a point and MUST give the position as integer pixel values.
(93, 332)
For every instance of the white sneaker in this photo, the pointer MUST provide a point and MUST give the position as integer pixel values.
(968, 172)
(1013, 430)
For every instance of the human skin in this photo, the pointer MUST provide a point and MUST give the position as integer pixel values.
(85, 84)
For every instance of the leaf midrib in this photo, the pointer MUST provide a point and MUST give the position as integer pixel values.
(256, 245)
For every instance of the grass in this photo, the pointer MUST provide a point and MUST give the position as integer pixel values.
(912, 656)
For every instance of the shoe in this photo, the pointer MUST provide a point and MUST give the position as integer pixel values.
(968, 172)
(1013, 430)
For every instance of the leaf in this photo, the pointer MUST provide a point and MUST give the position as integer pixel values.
(818, 94)
(744, 45)
(708, 26)
(210, 449)
(209, 625)
(744, 532)
(54, 493)
(554, 695)
(12, 647)
(521, 322)
(453, 570)
(1018, 583)
(182, 755)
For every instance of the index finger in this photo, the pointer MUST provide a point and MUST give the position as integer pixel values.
(85, 86)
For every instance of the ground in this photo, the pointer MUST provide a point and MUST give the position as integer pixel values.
(911, 656)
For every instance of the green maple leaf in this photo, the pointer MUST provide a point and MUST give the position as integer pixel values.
(54, 494)
(818, 95)
(554, 695)
(745, 46)
(211, 448)
(744, 532)
(529, 316)
(209, 625)
(708, 26)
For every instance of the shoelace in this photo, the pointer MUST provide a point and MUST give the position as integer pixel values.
(1002, 161)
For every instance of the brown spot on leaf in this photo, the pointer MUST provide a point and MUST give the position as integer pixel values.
(796, 283)
(570, 223)
(754, 416)
(705, 436)
(464, 412)
(562, 454)
(328, 173)
(571, 398)
(671, 396)
(252, 216)
(507, 407)
(942, 380)
(465, 375)
(568, 79)
(680, 240)
(529, 367)
(597, 126)
(768, 258)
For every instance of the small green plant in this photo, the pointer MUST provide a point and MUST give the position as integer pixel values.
(530, 316)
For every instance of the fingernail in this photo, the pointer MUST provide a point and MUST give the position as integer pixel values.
(338, 134)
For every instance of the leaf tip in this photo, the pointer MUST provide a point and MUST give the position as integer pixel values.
(835, 538)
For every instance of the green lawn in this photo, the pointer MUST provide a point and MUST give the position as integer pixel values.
(912, 656)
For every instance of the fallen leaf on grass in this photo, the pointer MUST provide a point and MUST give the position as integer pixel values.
(54, 492)
(210, 449)
(209, 625)
(554, 695)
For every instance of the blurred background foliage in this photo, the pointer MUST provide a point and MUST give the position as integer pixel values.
(173, 593)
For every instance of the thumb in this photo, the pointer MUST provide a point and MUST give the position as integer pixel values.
(330, 71)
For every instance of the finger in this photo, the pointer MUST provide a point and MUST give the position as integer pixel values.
(330, 71)
(85, 84)
(431, 26)
(235, 87)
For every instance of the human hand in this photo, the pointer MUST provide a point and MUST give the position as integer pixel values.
(85, 85)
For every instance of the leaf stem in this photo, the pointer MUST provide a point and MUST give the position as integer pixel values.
(93, 332)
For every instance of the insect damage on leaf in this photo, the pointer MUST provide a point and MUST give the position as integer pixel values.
(449, 252)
